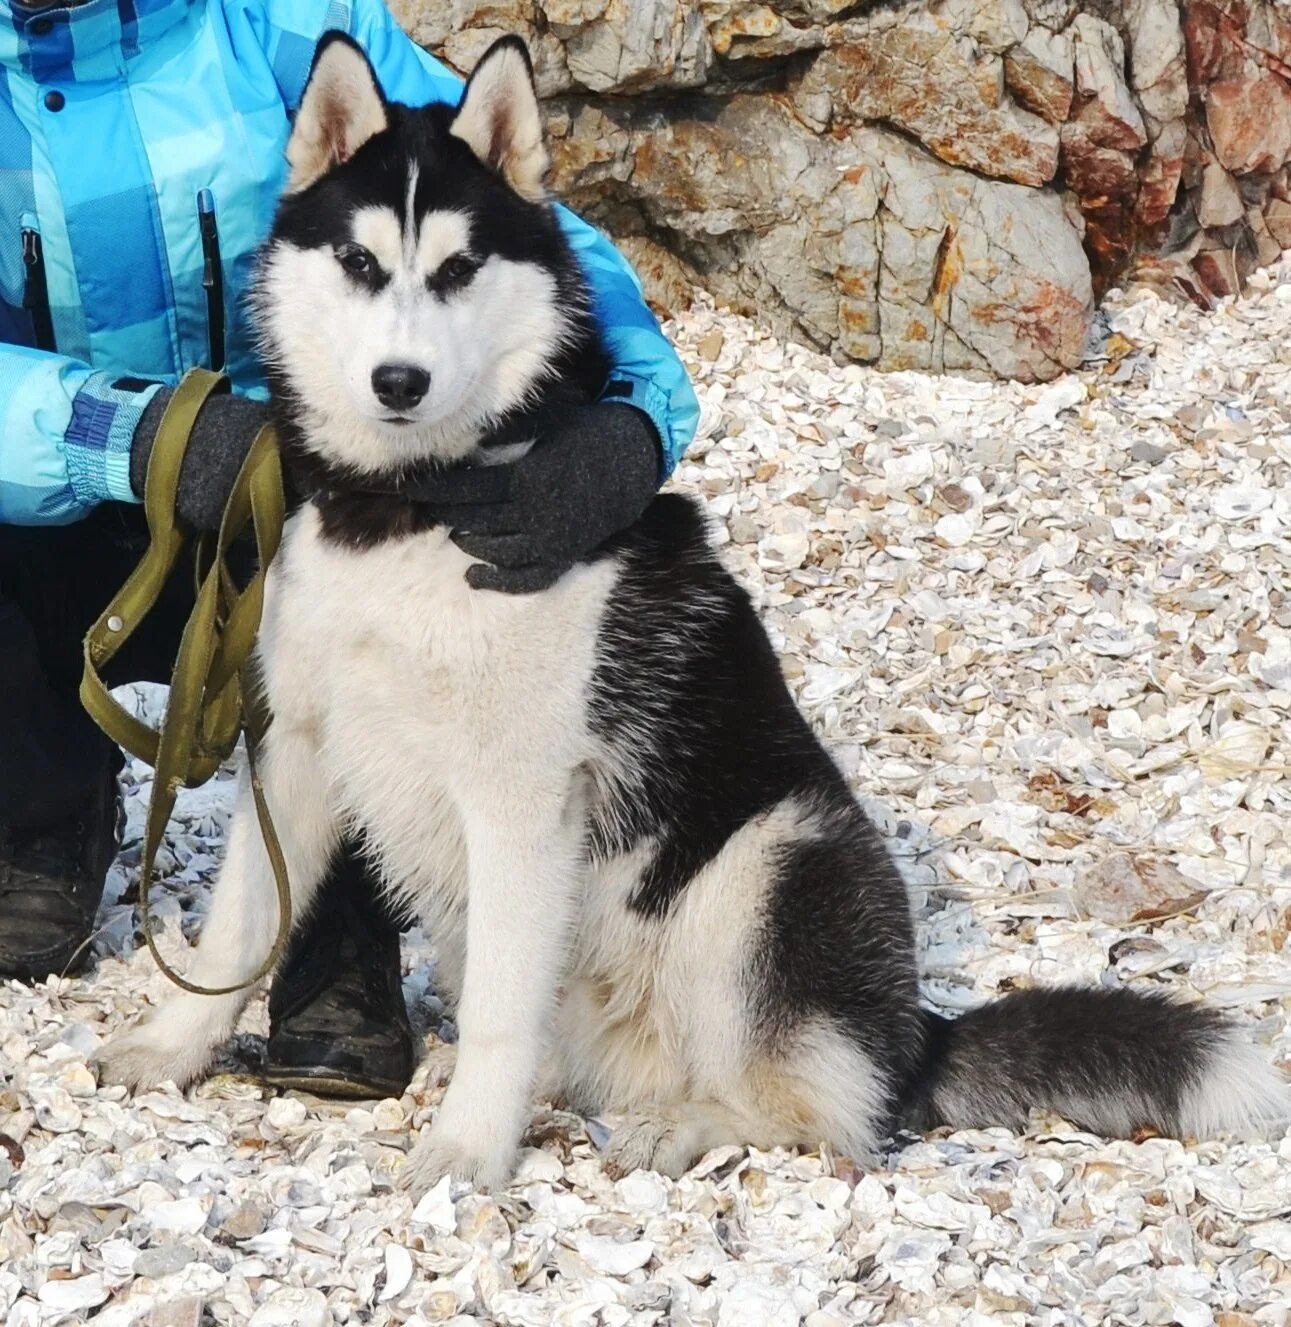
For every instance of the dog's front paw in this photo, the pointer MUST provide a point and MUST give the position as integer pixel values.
(439, 1153)
(150, 1054)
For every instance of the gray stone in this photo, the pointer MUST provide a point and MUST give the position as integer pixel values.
(1040, 73)
(825, 485)
(857, 242)
(1220, 203)
(163, 1260)
(1147, 452)
(243, 1222)
(937, 82)
(621, 44)
(743, 30)
(185, 1312)
(1110, 111)
(1157, 58)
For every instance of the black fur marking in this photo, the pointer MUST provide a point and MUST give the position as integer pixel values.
(689, 688)
(839, 942)
(705, 738)
(1085, 1053)
(686, 670)
(370, 275)
(914, 1107)
(453, 274)
(363, 520)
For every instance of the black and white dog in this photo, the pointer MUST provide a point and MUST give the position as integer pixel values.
(651, 891)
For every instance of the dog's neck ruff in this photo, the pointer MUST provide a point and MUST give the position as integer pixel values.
(361, 510)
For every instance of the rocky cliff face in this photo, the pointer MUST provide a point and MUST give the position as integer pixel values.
(934, 184)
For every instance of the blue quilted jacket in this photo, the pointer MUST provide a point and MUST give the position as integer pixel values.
(141, 156)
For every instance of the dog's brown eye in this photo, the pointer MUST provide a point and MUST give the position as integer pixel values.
(355, 259)
(458, 268)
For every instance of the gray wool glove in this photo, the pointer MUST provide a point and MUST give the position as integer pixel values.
(225, 429)
(593, 471)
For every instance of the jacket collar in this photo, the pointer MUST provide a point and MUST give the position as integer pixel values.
(82, 43)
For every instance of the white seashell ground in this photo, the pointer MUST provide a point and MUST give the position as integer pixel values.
(1047, 633)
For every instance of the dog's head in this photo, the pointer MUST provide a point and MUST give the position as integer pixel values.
(416, 286)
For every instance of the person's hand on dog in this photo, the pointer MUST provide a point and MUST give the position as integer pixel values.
(223, 432)
(590, 475)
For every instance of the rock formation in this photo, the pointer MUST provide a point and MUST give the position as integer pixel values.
(935, 184)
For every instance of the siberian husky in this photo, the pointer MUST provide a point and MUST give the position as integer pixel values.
(651, 891)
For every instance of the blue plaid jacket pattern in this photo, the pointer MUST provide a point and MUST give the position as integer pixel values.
(115, 115)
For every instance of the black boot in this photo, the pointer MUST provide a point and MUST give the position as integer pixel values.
(338, 1025)
(51, 883)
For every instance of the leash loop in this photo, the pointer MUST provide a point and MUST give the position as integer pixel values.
(214, 695)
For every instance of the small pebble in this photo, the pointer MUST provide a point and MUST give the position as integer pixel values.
(246, 1219)
(163, 1260)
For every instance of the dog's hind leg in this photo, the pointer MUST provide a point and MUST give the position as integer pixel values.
(819, 1088)
(525, 868)
(671, 1139)
(177, 1041)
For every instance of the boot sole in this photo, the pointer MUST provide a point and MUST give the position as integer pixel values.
(328, 1083)
(73, 963)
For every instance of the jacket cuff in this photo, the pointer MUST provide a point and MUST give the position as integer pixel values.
(105, 413)
(628, 389)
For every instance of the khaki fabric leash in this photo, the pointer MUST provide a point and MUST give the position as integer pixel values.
(213, 694)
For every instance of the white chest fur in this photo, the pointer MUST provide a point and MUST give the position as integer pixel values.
(420, 689)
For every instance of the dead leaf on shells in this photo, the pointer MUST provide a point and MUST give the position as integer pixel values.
(1176, 908)
(556, 1131)
(1125, 889)
(1062, 838)
(1238, 751)
(1117, 347)
(1281, 931)
(845, 1169)
(1049, 791)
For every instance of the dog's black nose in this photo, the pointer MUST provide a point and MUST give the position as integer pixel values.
(400, 386)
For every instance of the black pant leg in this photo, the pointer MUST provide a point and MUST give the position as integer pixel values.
(54, 581)
(49, 756)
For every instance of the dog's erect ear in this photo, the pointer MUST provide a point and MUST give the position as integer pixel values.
(499, 120)
(341, 109)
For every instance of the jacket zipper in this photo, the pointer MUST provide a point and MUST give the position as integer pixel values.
(212, 277)
(35, 292)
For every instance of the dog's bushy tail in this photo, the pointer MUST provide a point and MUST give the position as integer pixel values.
(1110, 1061)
